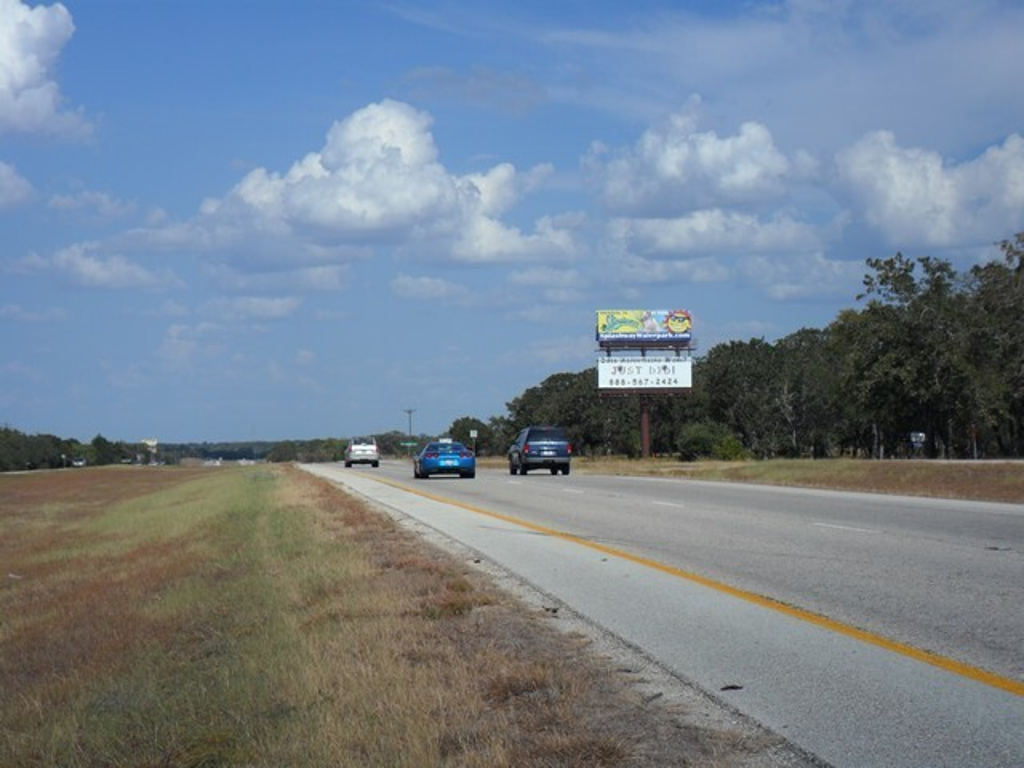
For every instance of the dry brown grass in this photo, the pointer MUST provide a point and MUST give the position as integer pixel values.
(261, 617)
(980, 480)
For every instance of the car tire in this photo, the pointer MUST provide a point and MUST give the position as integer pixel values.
(554, 470)
(375, 464)
(522, 469)
(469, 475)
(565, 470)
(511, 467)
(348, 464)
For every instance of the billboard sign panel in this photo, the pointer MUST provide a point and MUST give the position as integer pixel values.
(644, 327)
(644, 373)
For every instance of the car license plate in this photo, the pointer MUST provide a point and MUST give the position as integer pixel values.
(449, 463)
(547, 453)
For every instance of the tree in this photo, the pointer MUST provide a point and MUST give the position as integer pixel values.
(919, 325)
(483, 444)
(106, 452)
(807, 397)
(742, 393)
(996, 350)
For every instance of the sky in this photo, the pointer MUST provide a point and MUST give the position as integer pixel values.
(290, 219)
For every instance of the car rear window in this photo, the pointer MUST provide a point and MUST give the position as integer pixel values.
(446, 447)
(550, 434)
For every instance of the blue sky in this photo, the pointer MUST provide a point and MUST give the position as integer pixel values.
(264, 220)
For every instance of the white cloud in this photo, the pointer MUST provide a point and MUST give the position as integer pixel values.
(377, 180)
(801, 276)
(83, 264)
(31, 39)
(254, 307)
(912, 195)
(376, 174)
(14, 190)
(819, 73)
(545, 276)
(714, 230)
(632, 269)
(674, 168)
(97, 203)
(410, 287)
(183, 344)
(332, 277)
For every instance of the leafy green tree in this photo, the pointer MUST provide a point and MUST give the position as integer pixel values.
(995, 317)
(807, 397)
(742, 393)
(483, 443)
(286, 450)
(920, 350)
(106, 452)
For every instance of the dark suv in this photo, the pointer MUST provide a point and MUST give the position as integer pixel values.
(540, 448)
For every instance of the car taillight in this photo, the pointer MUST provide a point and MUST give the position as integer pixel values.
(466, 455)
(431, 454)
(568, 448)
(526, 448)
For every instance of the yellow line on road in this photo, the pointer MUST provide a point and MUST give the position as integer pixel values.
(927, 657)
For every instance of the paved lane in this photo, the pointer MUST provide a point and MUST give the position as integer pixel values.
(631, 553)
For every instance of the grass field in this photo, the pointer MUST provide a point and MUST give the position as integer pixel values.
(979, 480)
(258, 616)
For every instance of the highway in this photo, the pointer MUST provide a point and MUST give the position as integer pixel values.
(868, 630)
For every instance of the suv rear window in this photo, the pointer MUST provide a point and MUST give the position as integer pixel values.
(541, 434)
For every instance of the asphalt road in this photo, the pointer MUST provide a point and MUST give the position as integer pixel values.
(868, 630)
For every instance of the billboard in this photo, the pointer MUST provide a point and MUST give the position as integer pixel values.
(644, 373)
(644, 327)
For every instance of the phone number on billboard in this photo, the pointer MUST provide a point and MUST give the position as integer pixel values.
(646, 382)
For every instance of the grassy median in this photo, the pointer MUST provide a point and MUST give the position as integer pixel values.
(260, 617)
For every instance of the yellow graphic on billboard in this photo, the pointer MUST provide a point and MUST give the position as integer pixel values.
(644, 325)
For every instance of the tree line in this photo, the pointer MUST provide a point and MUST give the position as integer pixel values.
(931, 365)
(19, 451)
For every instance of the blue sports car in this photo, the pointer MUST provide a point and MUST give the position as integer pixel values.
(444, 457)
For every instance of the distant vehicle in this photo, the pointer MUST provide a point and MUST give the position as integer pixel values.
(78, 462)
(540, 448)
(444, 457)
(362, 450)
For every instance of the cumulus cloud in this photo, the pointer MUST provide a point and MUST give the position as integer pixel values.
(377, 180)
(31, 39)
(715, 230)
(84, 264)
(913, 195)
(14, 190)
(674, 167)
